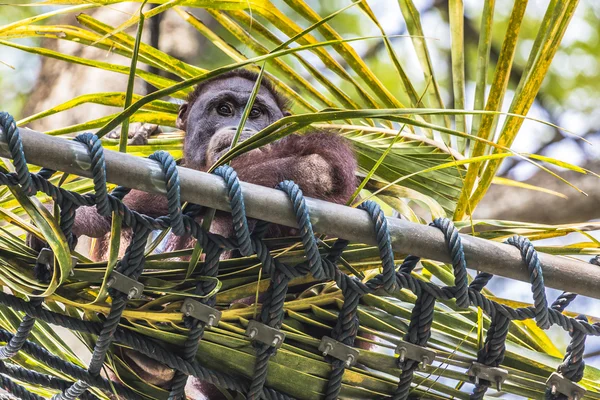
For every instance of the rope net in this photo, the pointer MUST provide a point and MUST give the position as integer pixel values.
(265, 331)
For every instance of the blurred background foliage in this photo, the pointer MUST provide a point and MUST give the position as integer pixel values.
(569, 97)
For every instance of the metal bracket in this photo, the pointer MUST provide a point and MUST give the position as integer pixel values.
(559, 384)
(124, 284)
(265, 334)
(493, 374)
(339, 350)
(46, 257)
(201, 312)
(415, 352)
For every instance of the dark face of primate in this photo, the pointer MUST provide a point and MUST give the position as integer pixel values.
(211, 120)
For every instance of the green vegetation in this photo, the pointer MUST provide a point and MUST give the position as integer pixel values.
(417, 156)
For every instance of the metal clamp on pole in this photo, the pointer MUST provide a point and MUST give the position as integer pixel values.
(338, 350)
(559, 384)
(46, 257)
(492, 374)
(121, 283)
(201, 312)
(265, 334)
(414, 352)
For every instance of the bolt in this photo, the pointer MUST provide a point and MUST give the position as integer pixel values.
(110, 282)
(575, 396)
(275, 341)
(211, 320)
(189, 308)
(133, 292)
(328, 348)
(476, 380)
(553, 389)
(498, 383)
(402, 353)
(349, 360)
(252, 333)
(424, 362)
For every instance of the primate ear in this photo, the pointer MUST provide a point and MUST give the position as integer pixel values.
(182, 117)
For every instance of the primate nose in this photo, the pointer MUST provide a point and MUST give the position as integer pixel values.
(244, 134)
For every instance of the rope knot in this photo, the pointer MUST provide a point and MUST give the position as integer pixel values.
(306, 231)
(530, 257)
(384, 243)
(459, 264)
(171, 174)
(96, 153)
(238, 209)
(15, 146)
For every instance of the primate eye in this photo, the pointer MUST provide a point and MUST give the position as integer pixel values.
(224, 110)
(255, 112)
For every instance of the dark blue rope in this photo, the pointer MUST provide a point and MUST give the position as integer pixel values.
(481, 279)
(573, 364)
(11, 132)
(35, 378)
(493, 351)
(563, 301)
(459, 263)
(306, 232)
(238, 210)
(418, 332)
(169, 168)
(16, 343)
(384, 242)
(272, 312)
(538, 289)
(96, 153)
(17, 390)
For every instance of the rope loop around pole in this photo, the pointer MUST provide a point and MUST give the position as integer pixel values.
(538, 289)
(169, 168)
(306, 232)
(272, 311)
(96, 152)
(238, 210)
(11, 131)
(384, 242)
(409, 264)
(459, 263)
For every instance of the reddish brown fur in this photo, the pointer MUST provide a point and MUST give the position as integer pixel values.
(291, 158)
(321, 163)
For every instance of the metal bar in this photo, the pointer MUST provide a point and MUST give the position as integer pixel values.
(328, 218)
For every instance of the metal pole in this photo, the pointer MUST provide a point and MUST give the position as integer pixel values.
(328, 218)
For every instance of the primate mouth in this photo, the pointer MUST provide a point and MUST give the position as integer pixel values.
(224, 147)
(222, 150)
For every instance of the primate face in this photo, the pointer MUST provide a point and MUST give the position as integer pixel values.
(212, 119)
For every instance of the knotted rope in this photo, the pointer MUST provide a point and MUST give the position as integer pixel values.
(272, 313)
